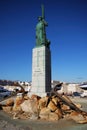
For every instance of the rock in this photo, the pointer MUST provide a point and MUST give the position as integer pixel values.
(82, 121)
(16, 108)
(55, 99)
(30, 106)
(21, 115)
(34, 117)
(26, 97)
(78, 117)
(35, 96)
(44, 113)
(10, 102)
(19, 100)
(53, 116)
(59, 113)
(26, 106)
(43, 102)
(15, 115)
(17, 103)
(7, 109)
(52, 106)
(65, 107)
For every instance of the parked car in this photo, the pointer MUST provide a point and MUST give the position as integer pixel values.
(76, 94)
(1, 88)
(5, 94)
(84, 94)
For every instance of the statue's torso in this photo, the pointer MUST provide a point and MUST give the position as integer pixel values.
(40, 33)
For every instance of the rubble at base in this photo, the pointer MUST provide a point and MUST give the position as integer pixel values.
(50, 108)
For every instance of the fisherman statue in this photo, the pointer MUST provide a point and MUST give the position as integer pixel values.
(41, 32)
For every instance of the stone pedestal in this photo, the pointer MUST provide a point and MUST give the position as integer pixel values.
(41, 71)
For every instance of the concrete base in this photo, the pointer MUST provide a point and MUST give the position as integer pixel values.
(38, 94)
(41, 70)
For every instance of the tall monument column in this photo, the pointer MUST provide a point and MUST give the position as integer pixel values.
(41, 60)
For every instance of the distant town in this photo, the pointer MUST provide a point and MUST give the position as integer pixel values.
(72, 89)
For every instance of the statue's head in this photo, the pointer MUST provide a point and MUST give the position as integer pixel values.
(39, 18)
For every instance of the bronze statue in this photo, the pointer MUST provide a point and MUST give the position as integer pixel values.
(41, 32)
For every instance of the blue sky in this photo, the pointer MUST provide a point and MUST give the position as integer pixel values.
(67, 31)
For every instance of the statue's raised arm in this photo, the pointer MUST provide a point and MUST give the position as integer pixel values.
(43, 15)
(41, 31)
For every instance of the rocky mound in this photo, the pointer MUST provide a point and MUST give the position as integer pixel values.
(50, 108)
